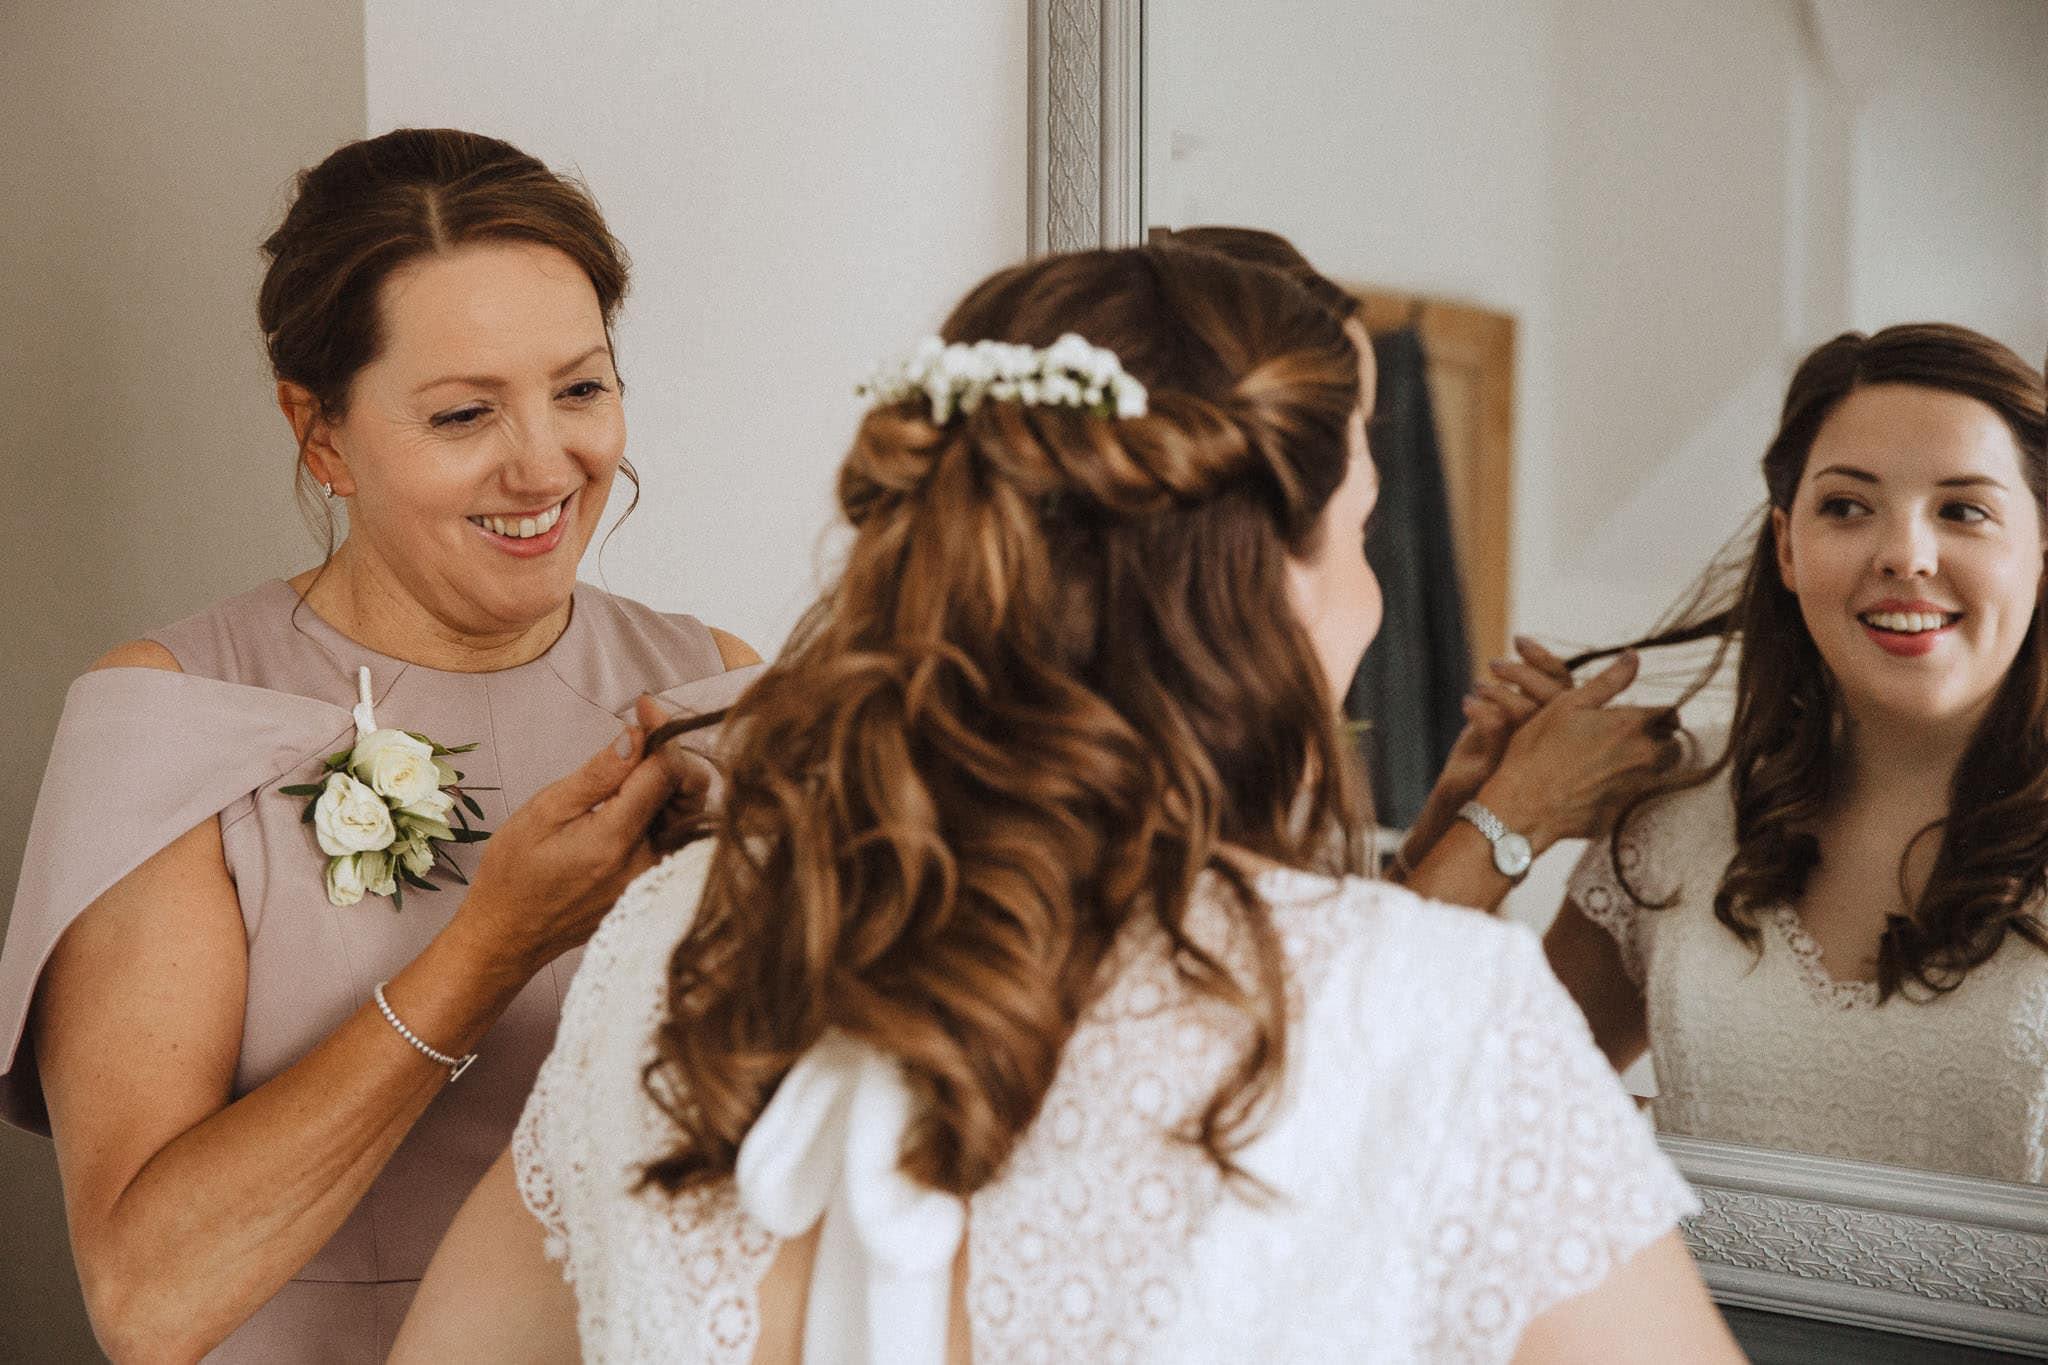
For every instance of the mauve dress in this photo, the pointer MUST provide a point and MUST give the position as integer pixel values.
(143, 754)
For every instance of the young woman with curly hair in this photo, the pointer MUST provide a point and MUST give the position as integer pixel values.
(1829, 935)
(1027, 1002)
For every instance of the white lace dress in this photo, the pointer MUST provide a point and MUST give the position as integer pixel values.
(1770, 1050)
(1452, 1157)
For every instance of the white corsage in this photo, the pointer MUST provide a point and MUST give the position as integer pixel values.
(382, 808)
(956, 378)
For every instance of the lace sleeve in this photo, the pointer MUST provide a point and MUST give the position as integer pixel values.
(607, 1016)
(1596, 888)
(535, 1152)
(1550, 1179)
(1674, 847)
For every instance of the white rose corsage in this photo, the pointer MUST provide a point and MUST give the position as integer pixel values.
(382, 810)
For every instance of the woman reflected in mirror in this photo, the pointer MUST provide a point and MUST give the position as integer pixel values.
(1828, 934)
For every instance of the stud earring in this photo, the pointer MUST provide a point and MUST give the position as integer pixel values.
(328, 489)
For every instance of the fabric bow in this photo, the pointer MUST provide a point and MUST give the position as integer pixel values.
(830, 1145)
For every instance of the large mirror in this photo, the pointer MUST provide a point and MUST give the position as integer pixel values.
(1604, 233)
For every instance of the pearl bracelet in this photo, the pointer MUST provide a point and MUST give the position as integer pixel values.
(456, 1065)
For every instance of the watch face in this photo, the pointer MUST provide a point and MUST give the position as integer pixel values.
(1511, 855)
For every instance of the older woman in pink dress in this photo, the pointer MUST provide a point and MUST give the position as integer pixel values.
(269, 1093)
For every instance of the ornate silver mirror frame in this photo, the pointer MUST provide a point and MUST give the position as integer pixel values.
(1917, 1253)
(1086, 112)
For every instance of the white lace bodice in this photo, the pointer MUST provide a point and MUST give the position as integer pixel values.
(1770, 1050)
(1451, 1157)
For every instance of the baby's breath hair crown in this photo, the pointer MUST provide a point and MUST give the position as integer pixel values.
(956, 378)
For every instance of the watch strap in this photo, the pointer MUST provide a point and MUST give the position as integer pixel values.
(1512, 855)
(1484, 820)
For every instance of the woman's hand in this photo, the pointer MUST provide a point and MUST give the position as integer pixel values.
(1494, 710)
(695, 783)
(555, 866)
(1575, 760)
(1568, 764)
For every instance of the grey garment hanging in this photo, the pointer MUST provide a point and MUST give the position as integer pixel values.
(1419, 667)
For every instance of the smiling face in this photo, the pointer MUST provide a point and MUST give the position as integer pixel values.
(479, 447)
(1334, 590)
(1915, 549)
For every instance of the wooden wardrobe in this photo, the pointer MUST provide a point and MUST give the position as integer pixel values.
(1471, 354)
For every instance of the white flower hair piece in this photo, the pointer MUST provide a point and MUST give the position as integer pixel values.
(957, 378)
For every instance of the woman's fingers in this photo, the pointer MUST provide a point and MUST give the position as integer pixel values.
(693, 776)
(615, 791)
(1484, 715)
(1658, 746)
(599, 777)
(1611, 681)
(1534, 682)
(1480, 744)
(1516, 705)
(652, 712)
(691, 771)
(1478, 748)
(1536, 656)
(626, 816)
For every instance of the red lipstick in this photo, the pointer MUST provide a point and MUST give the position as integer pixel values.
(1906, 644)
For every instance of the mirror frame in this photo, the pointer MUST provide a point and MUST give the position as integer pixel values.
(1921, 1253)
(1918, 1253)
(1086, 119)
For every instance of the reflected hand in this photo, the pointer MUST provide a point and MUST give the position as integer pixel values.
(1575, 761)
(1498, 706)
(1494, 710)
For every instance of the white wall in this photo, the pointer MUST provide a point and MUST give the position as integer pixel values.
(1951, 158)
(1345, 126)
(805, 190)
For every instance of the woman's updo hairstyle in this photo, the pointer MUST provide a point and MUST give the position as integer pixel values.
(1270, 249)
(1248, 400)
(1059, 675)
(376, 204)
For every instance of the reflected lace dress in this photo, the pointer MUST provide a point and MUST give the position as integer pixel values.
(1766, 1048)
(1451, 1157)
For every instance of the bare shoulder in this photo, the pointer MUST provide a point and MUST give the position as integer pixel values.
(138, 654)
(735, 652)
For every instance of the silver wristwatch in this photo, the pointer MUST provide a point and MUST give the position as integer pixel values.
(1511, 852)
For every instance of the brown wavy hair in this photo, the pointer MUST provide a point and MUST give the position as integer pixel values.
(1261, 247)
(1058, 675)
(1991, 867)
